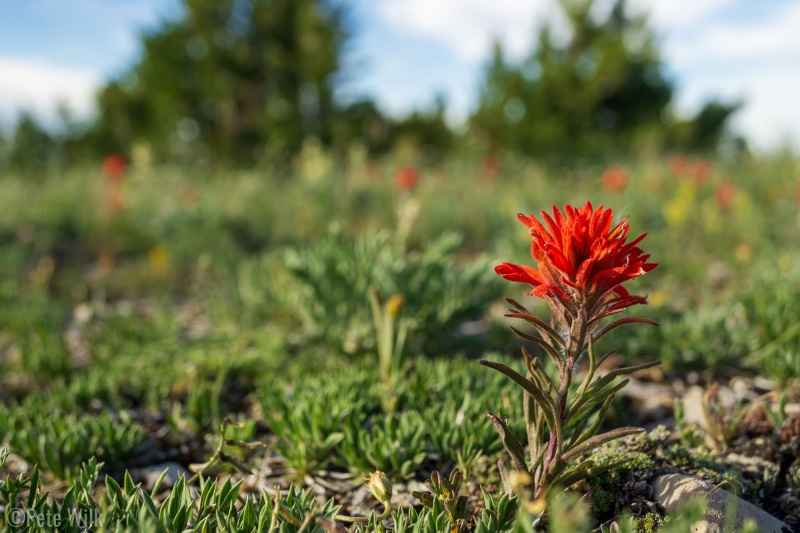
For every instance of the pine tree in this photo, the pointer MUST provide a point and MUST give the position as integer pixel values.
(603, 90)
(31, 146)
(231, 78)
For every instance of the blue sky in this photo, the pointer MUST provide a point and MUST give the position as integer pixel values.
(407, 51)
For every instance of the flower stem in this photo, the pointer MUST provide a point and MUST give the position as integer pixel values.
(387, 510)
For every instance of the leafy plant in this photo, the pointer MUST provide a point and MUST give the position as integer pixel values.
(202, 410)
(722, 423)
(582, 263)
(463, 438)
(447, 493)
(394, 444)
(59, 445)
(499, 513)
(338, 280)
(127, 507)
(777, 415)
(310, 422)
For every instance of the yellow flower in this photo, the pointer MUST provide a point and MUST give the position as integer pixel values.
(677, 210)
(657, 298)
(743, 252)
(159, 260)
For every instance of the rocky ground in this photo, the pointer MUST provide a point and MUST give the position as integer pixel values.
(703, 438)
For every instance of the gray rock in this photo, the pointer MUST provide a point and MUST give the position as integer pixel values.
(750, 464)
(652, 401)
(693, 407)
(148, 475)
(693, 404)
(673, 490)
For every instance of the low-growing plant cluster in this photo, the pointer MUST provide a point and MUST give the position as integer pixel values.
(277, 353)
(335, 278)
(339, 421)
(748, 325)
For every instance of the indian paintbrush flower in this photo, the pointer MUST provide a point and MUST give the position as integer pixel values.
(583, 262)
(614, 179)
(583, 258)
(115, 166)
(406, 178)
(725, 194)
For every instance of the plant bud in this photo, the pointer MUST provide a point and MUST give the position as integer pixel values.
(380, 486)
(394, 305)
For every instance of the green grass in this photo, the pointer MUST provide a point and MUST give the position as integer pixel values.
(245, 295)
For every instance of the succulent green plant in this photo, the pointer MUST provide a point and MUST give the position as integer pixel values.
(447, 492)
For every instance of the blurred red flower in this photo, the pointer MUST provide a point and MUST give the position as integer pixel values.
(490, 168)
(725, 193)
(406, 178)
(678, 164)
(115, 166)
(615, 179)
(700, 170)
(582, 262)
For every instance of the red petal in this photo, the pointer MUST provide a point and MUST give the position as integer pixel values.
(519, 274)
(525, 219)
(559, 261)
(545, 290)
(583, 273)
(554, 229)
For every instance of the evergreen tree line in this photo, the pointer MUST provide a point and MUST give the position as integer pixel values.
(248, 80)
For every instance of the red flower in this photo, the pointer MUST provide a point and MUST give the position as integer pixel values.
(701, 170)
(490, 168)
(725, 193)
(114, 166)
(615, 179)
(678, 164)
(583, 262)
(406, 178)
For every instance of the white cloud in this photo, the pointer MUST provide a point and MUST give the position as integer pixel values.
(771, 117)
(711, 51)
(468, 27)
(677, 15)
(754, 61)
(767, 39)
(39, 87)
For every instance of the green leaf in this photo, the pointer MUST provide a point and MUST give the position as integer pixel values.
(510, 442)
(621, 322)
(128, 482)
(586, 470)
(599, 440)
(34, 486)
(114, 490)
(545, 403)
(159, 480)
